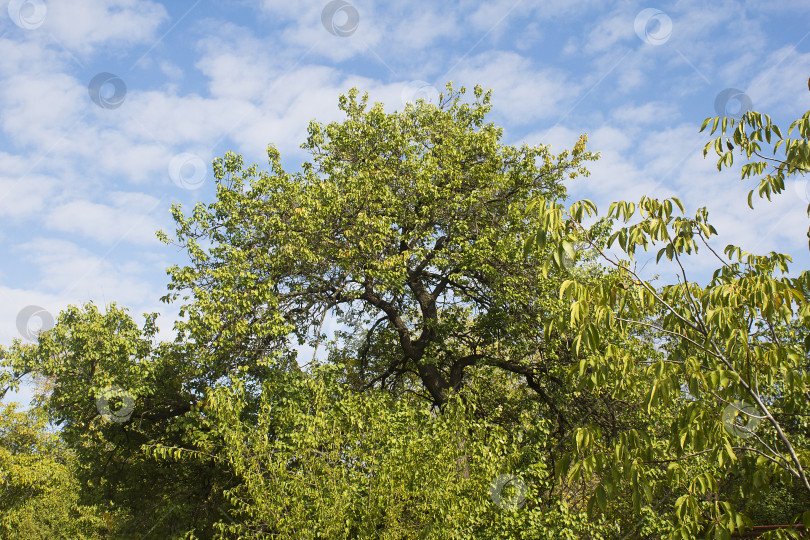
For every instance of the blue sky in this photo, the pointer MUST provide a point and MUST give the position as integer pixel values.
(112, 110)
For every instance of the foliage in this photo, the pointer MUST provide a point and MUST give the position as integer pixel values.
(734, 354)
(40, 493)
(796, 151)
(489, 379)
(407, 225)
(326, 462)
(85, 355)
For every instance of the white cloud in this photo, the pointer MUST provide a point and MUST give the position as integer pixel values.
(239, 64)
(781, 84)
(14, 301)
(422, 27)
(129, 218)
(311, 35)
(26, 55)
(486, 14)
(521, 92)
(738, 69)
(559, 138)
(85, 25)
(171, 70)
(654, 112)
(22, 190)
(39, 107)
(608, 32)
(282, 8)
(71, 271)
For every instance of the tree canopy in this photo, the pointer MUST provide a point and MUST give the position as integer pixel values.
(408, 226)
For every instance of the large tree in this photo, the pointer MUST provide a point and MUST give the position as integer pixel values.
(409, 226)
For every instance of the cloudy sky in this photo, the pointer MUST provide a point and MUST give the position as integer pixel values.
(112, 110)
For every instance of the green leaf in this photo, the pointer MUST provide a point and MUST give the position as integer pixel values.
(601, 499)
(568, 248)
(651, 397)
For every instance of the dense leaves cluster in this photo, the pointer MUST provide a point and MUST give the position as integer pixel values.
(733, 373)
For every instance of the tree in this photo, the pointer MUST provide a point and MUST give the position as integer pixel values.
(115, 395)
(408, 226)
(734, 353)
(40, 492)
